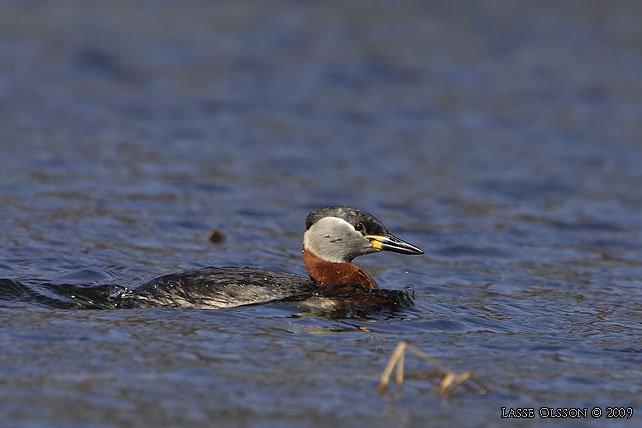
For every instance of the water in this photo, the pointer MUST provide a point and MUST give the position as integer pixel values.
(502, 138)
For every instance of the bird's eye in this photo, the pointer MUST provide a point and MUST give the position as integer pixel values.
(359, 227)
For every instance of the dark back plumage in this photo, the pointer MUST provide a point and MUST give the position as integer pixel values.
(220, 288)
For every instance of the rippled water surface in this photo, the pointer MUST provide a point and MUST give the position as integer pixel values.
(503, 138)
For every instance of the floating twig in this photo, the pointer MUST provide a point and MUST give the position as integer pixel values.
(448, 383)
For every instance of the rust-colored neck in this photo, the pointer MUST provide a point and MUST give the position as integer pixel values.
(330, 273)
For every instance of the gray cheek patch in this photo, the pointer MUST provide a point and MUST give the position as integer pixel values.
(335, 240)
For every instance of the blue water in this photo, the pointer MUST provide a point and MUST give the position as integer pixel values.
(503, 138)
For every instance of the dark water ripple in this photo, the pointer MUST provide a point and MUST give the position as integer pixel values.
(502, 138)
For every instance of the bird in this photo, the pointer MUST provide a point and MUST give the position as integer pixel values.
(333, 238)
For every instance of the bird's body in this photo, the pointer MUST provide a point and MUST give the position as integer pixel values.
(225, 287)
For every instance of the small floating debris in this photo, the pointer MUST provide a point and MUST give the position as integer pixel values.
(448, 383)
(215, 236)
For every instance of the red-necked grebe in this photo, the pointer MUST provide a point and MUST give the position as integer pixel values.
(334, 236)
